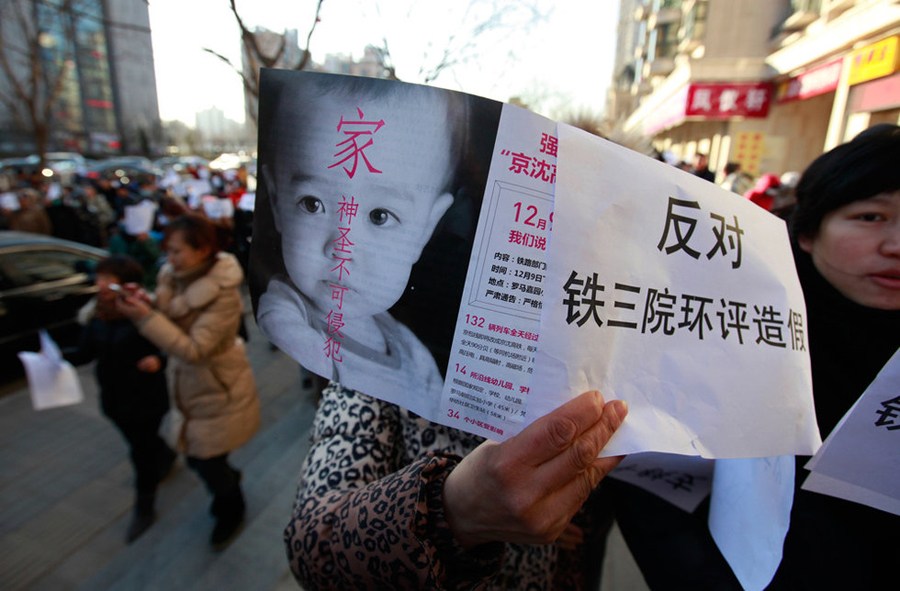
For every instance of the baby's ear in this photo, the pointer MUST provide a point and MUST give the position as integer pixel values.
(440, 207)
(268, 182)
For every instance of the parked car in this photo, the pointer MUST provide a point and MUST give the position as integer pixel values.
(66, 165)
(180, 163)
(124, 169)
(12, 167)
(44, 282)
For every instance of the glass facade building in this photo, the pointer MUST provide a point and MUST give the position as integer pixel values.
(92, 112)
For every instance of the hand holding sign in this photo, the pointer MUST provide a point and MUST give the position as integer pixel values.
(527, 489)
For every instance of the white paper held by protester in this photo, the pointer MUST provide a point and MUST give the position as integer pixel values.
(859, 460)
(683, 481)
(749, 515)
(678, 297)
(9, 201)
(139, 218)
(52, 381)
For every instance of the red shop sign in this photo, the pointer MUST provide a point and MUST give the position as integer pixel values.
(721, 101)
(817, 81)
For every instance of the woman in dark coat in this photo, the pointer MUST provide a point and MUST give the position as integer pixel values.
(846, 230)
(132, 380)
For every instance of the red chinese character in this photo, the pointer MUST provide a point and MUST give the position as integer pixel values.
(341, 267)
(543, 170)
(332, 349)
(549, 144)
(348, 208)
(337, 294)
(520, 162)
(343, 243)
(350, 148)
(335, 322)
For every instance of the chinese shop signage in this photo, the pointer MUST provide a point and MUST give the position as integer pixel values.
(721, 101)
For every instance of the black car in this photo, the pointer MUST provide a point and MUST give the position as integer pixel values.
(44, 282)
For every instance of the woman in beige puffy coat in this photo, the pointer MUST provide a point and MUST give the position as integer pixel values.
(195, 320)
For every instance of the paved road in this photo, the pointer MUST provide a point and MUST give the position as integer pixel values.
(66, 497)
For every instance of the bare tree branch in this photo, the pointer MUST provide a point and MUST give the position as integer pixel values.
(256, 56)
(312, 29)
(36, 87)
(481, 19)
(248, 84)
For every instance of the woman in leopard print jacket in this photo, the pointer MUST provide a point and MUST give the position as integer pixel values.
(386, 501)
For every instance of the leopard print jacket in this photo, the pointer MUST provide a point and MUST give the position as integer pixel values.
(369, 511)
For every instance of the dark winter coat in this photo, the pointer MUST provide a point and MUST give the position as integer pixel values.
(125, 391)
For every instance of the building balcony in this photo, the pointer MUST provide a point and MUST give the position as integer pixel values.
(805, 12)
(664, 16)
(688, 45)
(659, 67)
(799, 20)
(832, 9)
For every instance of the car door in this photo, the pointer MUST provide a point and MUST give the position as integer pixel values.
(42, 287)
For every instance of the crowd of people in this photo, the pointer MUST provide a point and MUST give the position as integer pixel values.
(389, 500)
(169, 303)
(128, 215)
(772, 192)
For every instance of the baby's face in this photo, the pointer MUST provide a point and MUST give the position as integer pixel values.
(397, 209)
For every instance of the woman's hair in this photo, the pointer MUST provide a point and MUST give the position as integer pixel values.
(122, 267)
(196, 230)
(866, 166)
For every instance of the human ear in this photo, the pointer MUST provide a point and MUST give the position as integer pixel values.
(805, 243)
(269, 184)
(440, 207)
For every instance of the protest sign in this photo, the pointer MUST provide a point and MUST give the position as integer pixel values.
(678, 297)
(480, 265)
(138, 218)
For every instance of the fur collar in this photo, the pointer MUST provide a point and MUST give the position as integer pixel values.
(178, 295)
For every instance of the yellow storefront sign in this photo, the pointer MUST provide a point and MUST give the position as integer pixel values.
(874, 61)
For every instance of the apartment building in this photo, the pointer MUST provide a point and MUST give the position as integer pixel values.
(767, 83)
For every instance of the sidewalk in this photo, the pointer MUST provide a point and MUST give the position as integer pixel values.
(66, 497)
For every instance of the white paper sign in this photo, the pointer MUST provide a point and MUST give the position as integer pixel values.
(749, 515)
(54, 191)
(860, 459)
(138, 218)
(217, 209)
(682, 299)
(171, 180)
(196, 189)
(52, 381)
(834, 487)
(683, 481)
(247, 202)
(9, 201)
